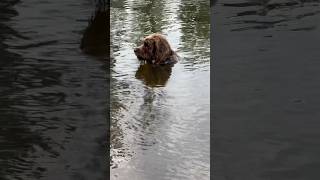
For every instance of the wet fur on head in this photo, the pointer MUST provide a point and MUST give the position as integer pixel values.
(156, 50)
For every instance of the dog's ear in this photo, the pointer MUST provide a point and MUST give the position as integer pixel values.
(162, 50)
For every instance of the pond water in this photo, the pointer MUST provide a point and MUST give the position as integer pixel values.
(53, 96)
(160, 125)
(266, 89)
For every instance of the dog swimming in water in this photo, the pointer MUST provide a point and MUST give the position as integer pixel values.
(156, 50)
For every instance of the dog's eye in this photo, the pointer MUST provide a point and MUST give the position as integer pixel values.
(145, 44)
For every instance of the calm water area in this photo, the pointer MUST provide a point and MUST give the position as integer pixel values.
(266, 90)
(53, 95)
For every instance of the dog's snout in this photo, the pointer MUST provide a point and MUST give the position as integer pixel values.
(135, 49)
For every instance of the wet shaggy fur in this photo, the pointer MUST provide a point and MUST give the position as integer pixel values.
(156, 50)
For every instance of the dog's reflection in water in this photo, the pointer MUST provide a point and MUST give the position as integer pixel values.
(154, 75)
(96, 36)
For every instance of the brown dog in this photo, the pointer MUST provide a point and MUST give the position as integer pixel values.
(156, 50)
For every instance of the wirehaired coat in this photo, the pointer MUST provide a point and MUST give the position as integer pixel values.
(156, 50)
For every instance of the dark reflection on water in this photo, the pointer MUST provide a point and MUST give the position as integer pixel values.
(96, 34)
(53, 97)
(154, 76)
(266, 89)
(160, 114)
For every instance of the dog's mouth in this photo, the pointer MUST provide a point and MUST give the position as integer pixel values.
(139, 57)
(136, 52)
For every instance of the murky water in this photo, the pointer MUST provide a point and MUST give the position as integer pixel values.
(266, 89)
(160, 115)
(53, 96)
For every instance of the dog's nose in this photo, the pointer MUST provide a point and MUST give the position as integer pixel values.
(135, 49)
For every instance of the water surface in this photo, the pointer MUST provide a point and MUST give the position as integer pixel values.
(53, 96)
(266, 89)
(160, 115)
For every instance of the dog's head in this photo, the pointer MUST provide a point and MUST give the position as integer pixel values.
(155, 49)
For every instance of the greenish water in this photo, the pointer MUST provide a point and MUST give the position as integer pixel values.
(160, 125)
